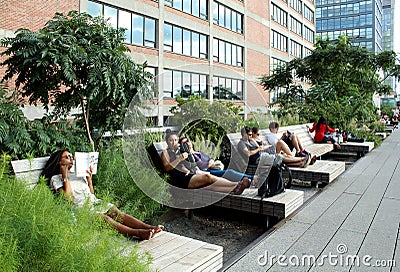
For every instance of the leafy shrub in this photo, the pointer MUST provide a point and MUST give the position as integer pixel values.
(20, 136)
(38, 232)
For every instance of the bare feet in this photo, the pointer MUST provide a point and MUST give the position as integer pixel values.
(157, 229)
(144, 234)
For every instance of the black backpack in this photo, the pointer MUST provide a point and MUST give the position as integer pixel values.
(274, 183)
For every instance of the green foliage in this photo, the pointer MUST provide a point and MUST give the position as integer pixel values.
(387, 109)
(20, 136)
(77, 61)
(198, 118)
(343, 79)
(38, 232)
(206, 146)
(114, 182)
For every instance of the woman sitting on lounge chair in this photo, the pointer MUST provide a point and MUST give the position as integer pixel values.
(205, 163)
(80, 190)
(321, 128)
(183, 173)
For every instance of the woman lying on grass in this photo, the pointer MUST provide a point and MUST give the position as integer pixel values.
(80, 190)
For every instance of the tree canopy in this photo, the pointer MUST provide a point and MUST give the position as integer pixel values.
(341, 78)
(76, 61)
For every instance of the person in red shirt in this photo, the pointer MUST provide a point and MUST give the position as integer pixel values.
(320, 128)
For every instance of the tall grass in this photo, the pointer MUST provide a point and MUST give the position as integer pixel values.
(38, 232)
(114, 183)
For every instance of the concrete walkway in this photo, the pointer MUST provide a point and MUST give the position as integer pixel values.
(352, 225)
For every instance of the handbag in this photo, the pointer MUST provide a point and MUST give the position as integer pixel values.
(218, 165)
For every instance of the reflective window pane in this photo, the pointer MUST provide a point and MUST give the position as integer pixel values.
(137, 29)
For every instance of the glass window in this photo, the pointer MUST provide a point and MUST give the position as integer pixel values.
(221, 47)
(186, 42)
(239, 93)
(222, 89)
(137, 29)
(221, 16)
(239, 56)
(195, 84)
(228, 19)
(203, 86)
(186, 85)
(167, 37)
(203, 47)
(234, 55)
(150, 32)
(228, 53)
(124, 21)
(239, 23)
(110, 14)
(196, 8)
(203, 9)
(215, 13)
(177, 83)
(234, 22)
(177, 43)
(195, 45)
(95, 9)
(187, 6)
(178, 4)
(215, 50)
(167, 76)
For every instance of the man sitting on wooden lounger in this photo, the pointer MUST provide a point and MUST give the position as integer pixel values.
(251, 152)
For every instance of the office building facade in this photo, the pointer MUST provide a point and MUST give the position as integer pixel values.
(217, 49)
(361, 20)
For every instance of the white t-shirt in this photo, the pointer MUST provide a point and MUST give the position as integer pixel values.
(272, 139)
(81, 193)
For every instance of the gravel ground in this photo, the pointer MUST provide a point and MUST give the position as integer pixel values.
(233, 230)
(230, 229)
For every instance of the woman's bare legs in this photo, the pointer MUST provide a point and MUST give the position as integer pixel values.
(213, 182)
(131, 222)
(145, 234)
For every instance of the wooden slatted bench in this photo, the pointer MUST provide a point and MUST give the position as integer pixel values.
(360, 148)
(321, 172)
(279, 206)
(170, 252)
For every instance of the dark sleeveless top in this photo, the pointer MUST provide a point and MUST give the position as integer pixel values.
(179, 178)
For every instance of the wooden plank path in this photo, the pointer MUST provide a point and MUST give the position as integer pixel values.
(356, 217)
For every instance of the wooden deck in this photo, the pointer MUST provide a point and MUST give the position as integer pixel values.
(172, 253)
(279, 206)
(357, 215)
(321, 172)
(360, 148)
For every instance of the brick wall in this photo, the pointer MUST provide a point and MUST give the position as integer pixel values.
(32, 14)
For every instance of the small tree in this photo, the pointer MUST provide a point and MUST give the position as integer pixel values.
(343, 79)
(76, 61)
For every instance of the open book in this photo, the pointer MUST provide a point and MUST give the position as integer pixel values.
(83, 161)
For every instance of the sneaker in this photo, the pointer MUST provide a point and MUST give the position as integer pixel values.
(306, 161)
(313, 159)
(300, 154)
